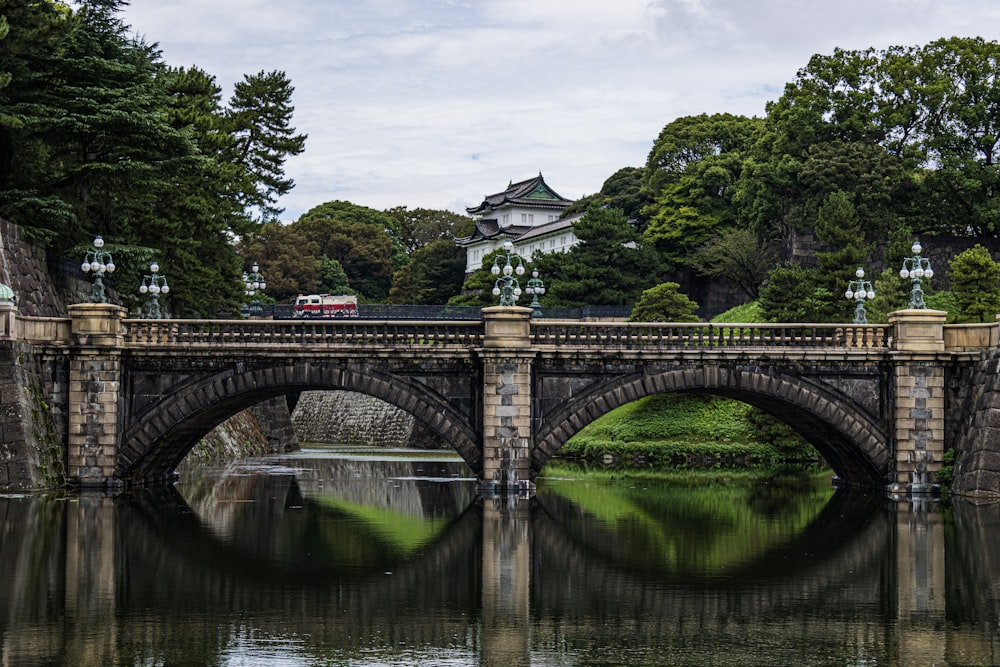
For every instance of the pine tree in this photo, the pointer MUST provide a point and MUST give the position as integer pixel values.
(260, 113)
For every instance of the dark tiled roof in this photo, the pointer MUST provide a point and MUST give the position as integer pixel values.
(487, 229)
(532, 192)
(490, 228)
(549, 228)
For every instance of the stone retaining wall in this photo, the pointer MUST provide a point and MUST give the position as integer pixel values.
(352, 418)
(977, 461)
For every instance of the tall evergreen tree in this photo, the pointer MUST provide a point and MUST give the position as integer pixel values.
(260, 113)
(609, 266)
(975, 285)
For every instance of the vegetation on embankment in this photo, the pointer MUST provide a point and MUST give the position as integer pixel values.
(690, 428)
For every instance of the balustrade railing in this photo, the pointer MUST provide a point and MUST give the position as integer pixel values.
(221, 333)
(638, 335)
(471, 334)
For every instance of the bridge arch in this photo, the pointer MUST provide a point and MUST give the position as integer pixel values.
(853, 443)
(158, 440)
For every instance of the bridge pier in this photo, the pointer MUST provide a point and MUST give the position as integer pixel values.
(507, 360)
(94, 390)
(919, 400)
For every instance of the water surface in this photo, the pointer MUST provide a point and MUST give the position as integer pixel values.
(354, 557)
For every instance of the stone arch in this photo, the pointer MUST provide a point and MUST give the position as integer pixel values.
(153, 446)
(851, 441)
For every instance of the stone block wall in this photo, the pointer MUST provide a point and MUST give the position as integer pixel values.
(275, 421)
(977, 460)
(347, 417)
(32, 419)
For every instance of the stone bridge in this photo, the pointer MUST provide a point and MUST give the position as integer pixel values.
(505, 392)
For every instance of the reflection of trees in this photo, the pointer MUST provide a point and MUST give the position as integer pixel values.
(824, 536)
(703, 529)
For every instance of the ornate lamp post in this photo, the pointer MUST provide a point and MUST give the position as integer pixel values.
(98, 262)
(859, 290)
(506, 286)
(915, 268)
(535, 288)
(253, 281)
(154, 284)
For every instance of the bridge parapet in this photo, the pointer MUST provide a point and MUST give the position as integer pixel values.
(971, 337)
(660, 335)
(230, 333)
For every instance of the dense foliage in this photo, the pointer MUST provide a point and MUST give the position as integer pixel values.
(99, 136)
(664, 303)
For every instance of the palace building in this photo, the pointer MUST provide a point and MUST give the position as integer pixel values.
(526, 214)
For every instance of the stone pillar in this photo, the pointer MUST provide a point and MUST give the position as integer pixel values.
(94, 390)
(919, 389)
(507, 437)
(506, 582)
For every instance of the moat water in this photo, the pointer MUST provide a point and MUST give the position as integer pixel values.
(353, 557)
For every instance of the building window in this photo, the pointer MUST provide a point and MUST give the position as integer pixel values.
(531, 218)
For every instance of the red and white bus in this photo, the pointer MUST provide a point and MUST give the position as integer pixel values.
(325, 305)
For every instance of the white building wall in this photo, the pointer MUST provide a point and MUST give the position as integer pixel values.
(559, 241)
(522, 216)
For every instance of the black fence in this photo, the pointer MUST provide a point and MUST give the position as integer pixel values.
(387, 311)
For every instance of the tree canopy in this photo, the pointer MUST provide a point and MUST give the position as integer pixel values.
(98, 136)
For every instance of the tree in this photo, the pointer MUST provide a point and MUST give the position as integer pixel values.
(259, 119)
(664, 303)
(346, 212)
(846, 250)
(422, 226)
(434, 274)
(332, 277)
(975, 285)
(739, 256)
(791, 294)
(691, 176)
(609, 266)
(289, 258)
(624, 190)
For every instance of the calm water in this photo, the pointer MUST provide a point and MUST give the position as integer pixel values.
(328, 558)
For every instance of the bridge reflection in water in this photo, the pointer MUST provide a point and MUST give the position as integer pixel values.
(303, 566)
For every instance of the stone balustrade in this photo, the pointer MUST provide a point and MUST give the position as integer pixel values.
(632, 335)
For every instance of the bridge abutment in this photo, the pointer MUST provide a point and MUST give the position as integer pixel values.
(94, 390)
(919, 387)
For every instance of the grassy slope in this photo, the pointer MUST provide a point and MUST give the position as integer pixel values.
(678, 427)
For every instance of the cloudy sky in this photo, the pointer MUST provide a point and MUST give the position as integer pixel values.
(436, 103)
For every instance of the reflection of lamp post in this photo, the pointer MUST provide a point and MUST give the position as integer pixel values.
(915, 268)
(98, 261)
(507, 287)
(859, 290)
(154, 285)
(253, 281)
(535, 288)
